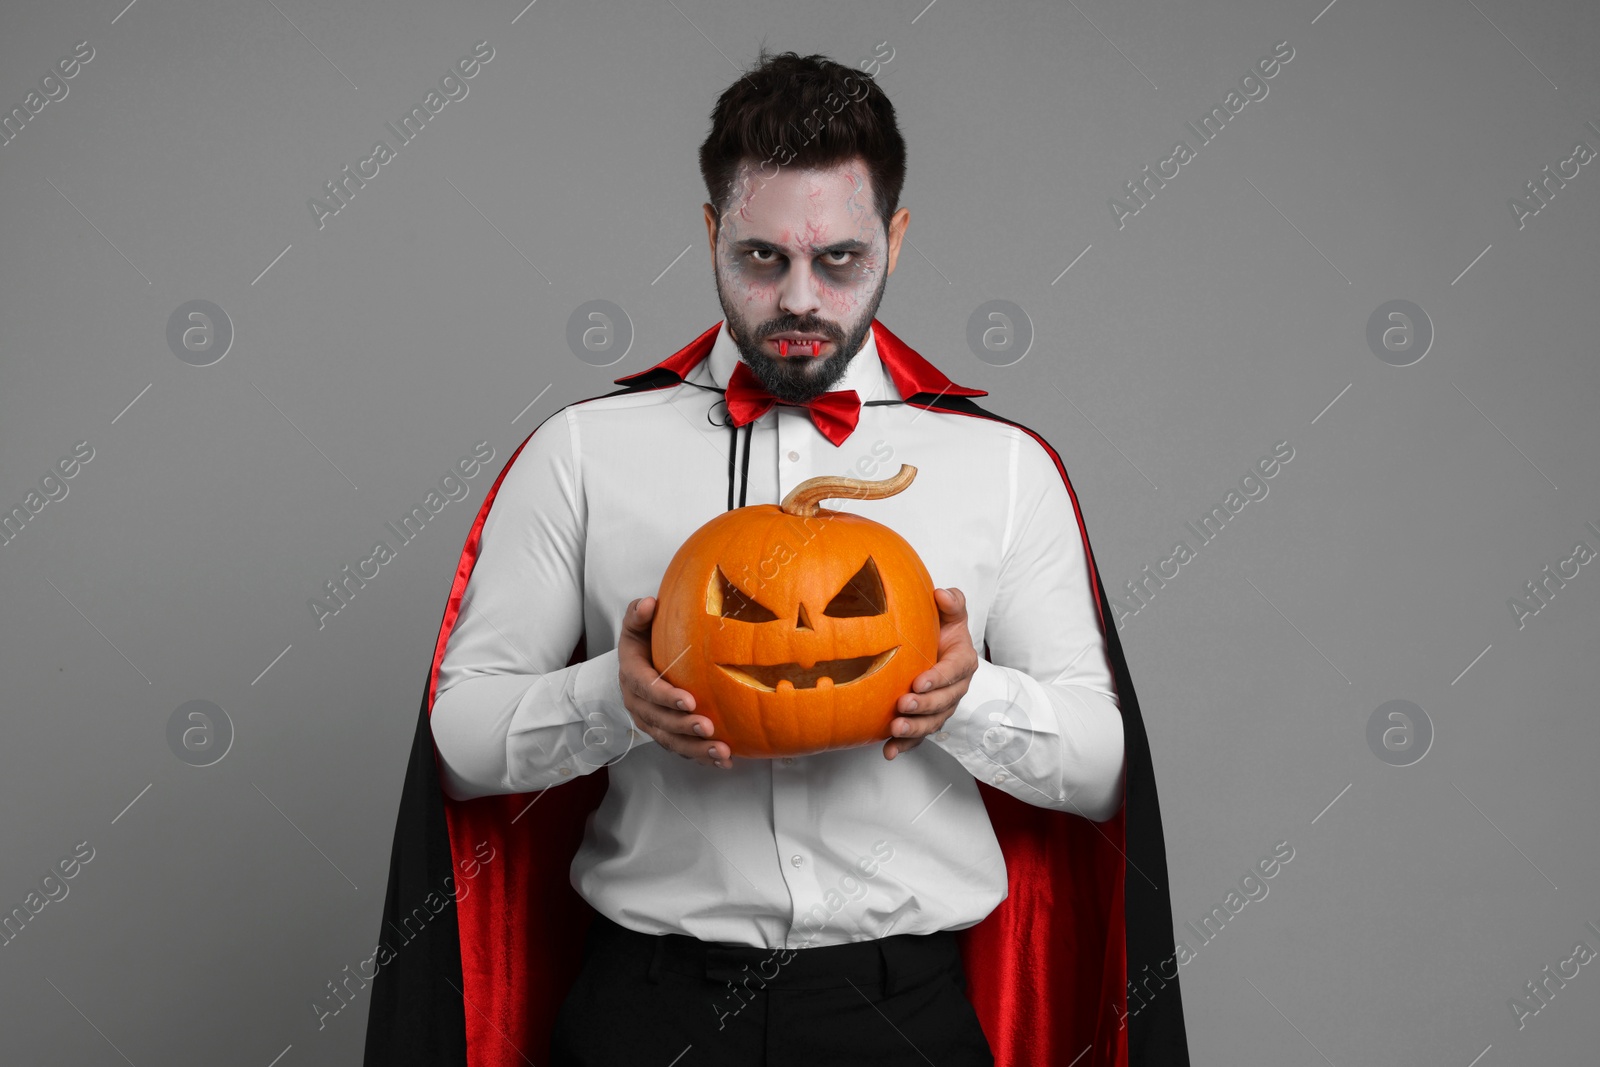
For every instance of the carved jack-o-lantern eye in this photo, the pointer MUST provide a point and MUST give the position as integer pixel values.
(727, 600)
(861, 595)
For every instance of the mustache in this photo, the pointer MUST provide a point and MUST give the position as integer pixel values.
(798, 325)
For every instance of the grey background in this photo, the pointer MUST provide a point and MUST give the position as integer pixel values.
(1228, 315)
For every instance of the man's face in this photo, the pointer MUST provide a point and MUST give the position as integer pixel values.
(802, 255)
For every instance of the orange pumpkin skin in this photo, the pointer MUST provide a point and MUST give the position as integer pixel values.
(796, 633)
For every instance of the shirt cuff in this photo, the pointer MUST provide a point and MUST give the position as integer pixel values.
(987, 696)
(609, 730)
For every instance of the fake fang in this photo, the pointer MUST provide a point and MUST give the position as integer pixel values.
(809, 347)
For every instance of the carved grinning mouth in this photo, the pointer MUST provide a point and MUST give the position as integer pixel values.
(766, 676)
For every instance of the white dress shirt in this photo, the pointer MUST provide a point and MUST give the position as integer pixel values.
(822, 849)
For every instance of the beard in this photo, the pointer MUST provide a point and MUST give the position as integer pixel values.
(799, 378)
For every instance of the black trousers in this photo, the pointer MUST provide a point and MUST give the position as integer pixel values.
(674, 1001)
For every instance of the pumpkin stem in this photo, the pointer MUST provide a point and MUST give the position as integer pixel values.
(802, 499)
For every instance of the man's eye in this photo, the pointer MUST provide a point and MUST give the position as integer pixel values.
(757, 253)
(848, 257)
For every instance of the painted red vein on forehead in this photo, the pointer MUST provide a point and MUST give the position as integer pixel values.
(816, 234)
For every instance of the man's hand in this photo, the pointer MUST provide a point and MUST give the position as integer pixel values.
(936, 691)
(659, 708)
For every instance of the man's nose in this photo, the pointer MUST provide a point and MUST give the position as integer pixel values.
(798, 295)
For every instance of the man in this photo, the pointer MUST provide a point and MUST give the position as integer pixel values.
(831, 908)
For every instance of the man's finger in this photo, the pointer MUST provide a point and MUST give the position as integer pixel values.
(894, 747)
(651, 686)
(681, 724)
(699, 751)
(672, 736)
(941, 697)
(918, 725)
(638, 619)
(931, 689)
(958, 609)
(675, 731)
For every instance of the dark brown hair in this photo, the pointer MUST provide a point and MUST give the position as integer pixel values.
(804, 111)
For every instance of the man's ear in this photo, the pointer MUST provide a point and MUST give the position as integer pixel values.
(711, 230)
(897, 231)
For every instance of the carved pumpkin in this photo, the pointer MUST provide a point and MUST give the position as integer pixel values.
(797, 628)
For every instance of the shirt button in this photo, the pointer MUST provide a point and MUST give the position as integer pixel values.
(1002, 776)
(794, 457)
(565, 771)
(796, 860)
(788, 760)
(942, 735)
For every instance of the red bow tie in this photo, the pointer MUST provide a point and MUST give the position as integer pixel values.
(835, 413)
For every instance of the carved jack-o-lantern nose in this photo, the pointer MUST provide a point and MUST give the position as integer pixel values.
(776, 675)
